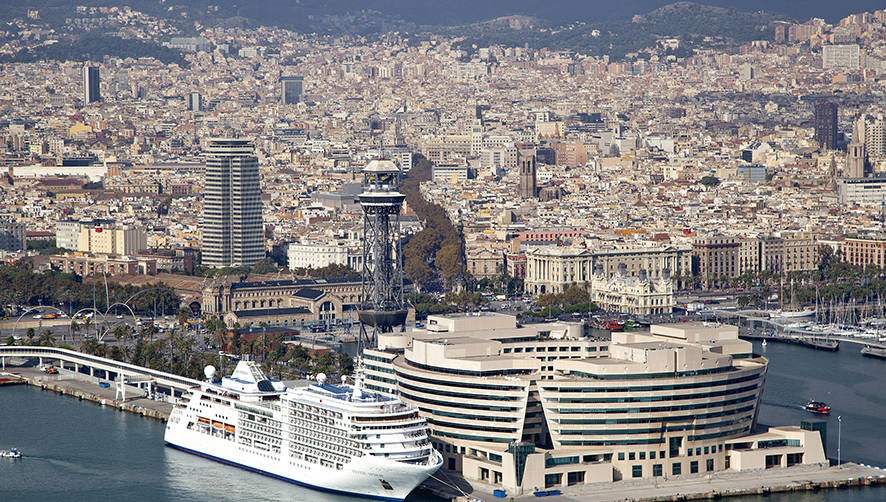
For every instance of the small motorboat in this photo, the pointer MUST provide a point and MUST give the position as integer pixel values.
(11, 453)
(818, 407)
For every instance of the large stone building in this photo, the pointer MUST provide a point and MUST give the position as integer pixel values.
(303, 255)
(85, 265)
(721, 257)
(864, 251)
(100, 237)
(484, 263)
(639, 295)
(228, 294)
(543, 406)
(554, 269)
(717, 257)
(304, 306)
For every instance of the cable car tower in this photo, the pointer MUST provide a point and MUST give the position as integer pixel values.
(381, 300)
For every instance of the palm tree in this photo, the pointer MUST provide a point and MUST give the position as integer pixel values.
(46, 339)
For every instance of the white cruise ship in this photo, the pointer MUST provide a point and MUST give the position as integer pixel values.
(331, 437)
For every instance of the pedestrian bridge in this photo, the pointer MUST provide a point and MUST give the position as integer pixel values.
(101, 367)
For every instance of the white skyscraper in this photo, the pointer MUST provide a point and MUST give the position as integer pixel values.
(233, 234)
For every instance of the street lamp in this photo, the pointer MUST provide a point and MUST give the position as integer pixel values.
(839, 438)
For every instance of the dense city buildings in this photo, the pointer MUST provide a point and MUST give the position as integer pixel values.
(233, 234)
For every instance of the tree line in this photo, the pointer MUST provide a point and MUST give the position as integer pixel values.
(435, 251)
(21, 285)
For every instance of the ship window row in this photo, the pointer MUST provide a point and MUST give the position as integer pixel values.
(314, 460)
(457, 371)
(332, 447)
(252, 410)
(652, 430)
(211, 431)
(314, 455)
(642, 376)
(260, 428)
(259, 445)
(700, 416)
(649, 399)
(469, 385)
(657, 409)
(312, 416)
(460, 394)
(314, 409)
(376, 428)
(259, 419)
(484, 428)
(450, 404)
(311, 432)
(316, 446)
(648, 388)
(400, 417)
(260, 437)
(320, 428)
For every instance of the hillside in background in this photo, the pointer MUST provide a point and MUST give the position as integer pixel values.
(593, 27)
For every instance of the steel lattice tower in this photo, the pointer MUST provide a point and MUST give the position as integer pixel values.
(381, 297)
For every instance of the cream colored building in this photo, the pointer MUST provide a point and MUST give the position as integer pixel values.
(633, 295)
(554, 269)
(101, 239)
(227, 294)
(543, 406)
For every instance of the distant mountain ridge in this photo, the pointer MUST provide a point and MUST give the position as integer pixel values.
(592, 27)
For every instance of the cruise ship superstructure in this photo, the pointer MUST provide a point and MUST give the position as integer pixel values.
(337, 438)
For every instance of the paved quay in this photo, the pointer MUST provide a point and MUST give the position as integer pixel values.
(793, 479)
(85, 387)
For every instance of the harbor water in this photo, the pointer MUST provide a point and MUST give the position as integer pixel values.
(78, 451)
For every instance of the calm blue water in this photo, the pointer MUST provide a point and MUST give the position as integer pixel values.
(78, 451)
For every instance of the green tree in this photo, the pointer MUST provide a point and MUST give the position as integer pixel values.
(710, 181)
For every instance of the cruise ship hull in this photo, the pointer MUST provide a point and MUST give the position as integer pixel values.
(361, 477)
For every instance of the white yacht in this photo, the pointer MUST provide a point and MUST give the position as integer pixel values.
(337, 438)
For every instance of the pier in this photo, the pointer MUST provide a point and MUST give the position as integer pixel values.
(784, 334)
(700, 487)
(131, 388)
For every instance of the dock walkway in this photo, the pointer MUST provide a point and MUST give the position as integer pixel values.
(713, 486)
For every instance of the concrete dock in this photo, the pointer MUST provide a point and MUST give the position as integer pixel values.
(706, 487)
(86, 388)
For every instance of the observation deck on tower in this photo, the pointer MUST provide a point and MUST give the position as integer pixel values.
(381, 306)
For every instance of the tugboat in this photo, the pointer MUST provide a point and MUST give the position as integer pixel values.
(11, 453)
(818, 407)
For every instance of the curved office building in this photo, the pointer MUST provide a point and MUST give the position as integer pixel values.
(523, 407)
